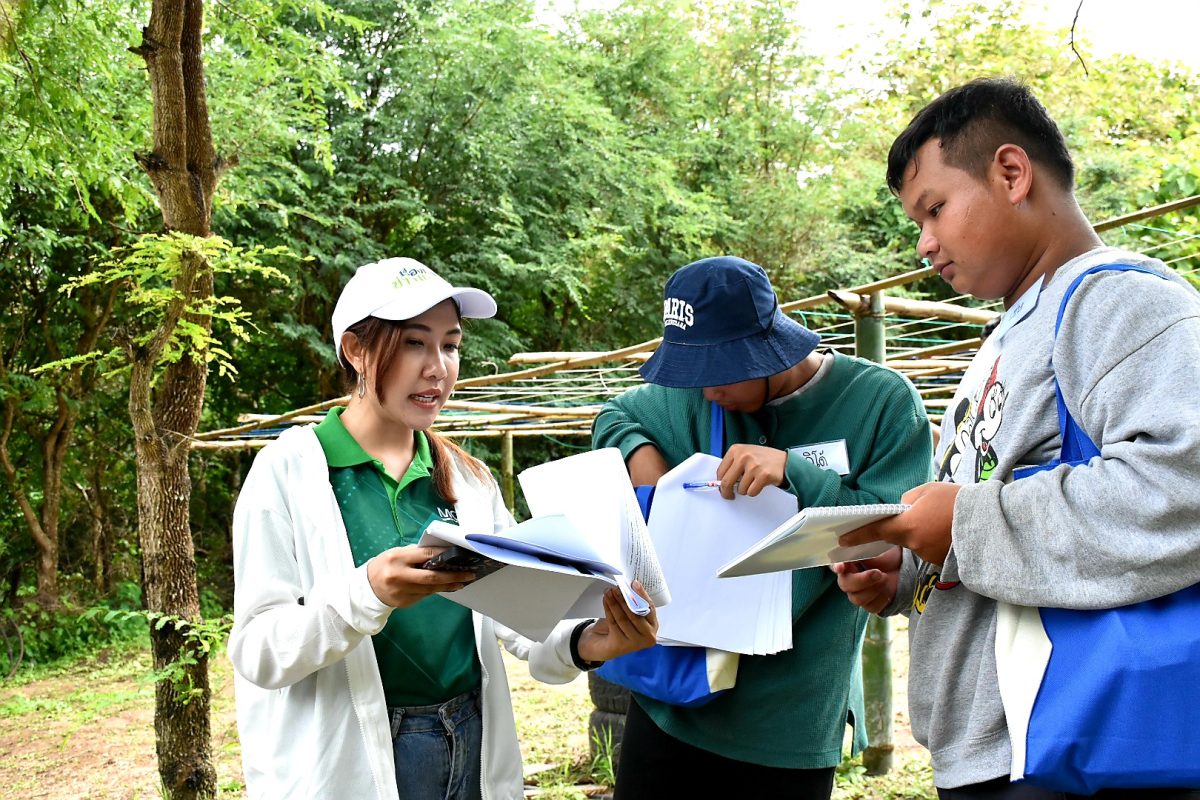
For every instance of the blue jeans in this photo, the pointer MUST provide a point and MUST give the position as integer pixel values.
(438, 749)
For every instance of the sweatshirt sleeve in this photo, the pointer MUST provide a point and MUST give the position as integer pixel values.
(282, 633)
(549, 661)
(650, 414)
(1124, 527)
(619, 423)
(906, 585)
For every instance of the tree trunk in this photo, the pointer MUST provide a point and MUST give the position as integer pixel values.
(42, 523)
(53, 438)
(95, 499)
(182, 731)
(183, 170)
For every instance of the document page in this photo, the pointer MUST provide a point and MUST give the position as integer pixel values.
(810, 539)
(593, 491)
(530, 594)
(695, 531)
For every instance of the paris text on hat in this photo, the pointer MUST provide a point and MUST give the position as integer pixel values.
(722, 325)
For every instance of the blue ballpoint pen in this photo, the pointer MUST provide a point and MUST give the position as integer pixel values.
(705, 485)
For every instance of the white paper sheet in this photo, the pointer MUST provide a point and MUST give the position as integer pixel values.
(694, 532)
(810, 539)
(593, 491)
(529, 595)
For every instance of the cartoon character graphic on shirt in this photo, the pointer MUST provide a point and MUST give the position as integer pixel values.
(988, 417)
(976, 422)
(961, 442)
(925, 587)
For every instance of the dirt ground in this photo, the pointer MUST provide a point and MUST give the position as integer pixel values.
(88, 732)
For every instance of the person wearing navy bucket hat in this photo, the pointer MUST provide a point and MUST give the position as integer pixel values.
(830, 429)
(353, 678)
(722, 324)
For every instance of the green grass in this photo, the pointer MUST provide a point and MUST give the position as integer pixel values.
(911, 778)
(85, 690)
(53, 719)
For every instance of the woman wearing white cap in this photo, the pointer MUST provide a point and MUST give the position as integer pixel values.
(352, 681)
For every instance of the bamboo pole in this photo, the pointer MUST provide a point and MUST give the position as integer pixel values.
(1147, 213)
(869, 343)
(263, 441)
(942, 349)
(270, 421)
(506, 471)
(567, 356)
(583, 412)
(859, 303)
(593, 357)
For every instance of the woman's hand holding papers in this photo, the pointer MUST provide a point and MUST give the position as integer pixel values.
(398, 580)
(924, 528)
(620, 631)
(870, 583)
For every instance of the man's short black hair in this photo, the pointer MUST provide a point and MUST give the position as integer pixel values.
(973, 120)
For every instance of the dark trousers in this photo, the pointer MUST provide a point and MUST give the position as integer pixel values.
(654, 766)
(1003, 789)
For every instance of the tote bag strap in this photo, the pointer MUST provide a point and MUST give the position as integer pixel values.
(716, 430)
(1077, 446)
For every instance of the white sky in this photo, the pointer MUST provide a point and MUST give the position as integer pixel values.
(1163, 30)
(1152, 29)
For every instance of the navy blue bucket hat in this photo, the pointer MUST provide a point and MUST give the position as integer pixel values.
(722, 325)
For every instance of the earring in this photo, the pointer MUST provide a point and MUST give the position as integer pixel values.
(362, 385)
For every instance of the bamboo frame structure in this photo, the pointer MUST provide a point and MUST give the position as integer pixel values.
(559, 393)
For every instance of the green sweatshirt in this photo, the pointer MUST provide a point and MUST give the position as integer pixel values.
(790, 709)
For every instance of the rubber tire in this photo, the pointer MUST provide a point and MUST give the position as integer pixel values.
(608, 696)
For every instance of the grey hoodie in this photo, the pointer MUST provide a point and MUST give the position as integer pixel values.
(1120, 530)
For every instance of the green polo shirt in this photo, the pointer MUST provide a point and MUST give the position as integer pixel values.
(426, 652)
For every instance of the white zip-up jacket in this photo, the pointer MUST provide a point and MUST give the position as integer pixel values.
(312, 718)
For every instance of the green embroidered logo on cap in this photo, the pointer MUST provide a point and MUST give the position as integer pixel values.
(406, 276)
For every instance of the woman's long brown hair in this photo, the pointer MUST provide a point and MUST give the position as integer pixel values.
(380, 340)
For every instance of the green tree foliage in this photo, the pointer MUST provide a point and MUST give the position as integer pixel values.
(1131, 124)
(67, 78)
(567, 169)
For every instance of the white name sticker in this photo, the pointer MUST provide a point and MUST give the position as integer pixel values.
(1019, 310)
(826, 455)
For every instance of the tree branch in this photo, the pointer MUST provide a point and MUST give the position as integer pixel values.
(1075, 22)
(14, 482)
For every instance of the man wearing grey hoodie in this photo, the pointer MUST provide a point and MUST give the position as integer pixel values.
(985, 174)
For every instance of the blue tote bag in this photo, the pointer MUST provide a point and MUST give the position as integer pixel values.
(681, 676)
(1116, 703)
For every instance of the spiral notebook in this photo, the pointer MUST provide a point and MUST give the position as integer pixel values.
(810, 539)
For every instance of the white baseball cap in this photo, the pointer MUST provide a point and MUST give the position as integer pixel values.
(401, 288)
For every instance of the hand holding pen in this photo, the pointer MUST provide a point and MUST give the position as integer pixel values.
(704, 486)
(871, 583)
(746, 469)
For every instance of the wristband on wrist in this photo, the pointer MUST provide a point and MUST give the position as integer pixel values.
(575, 657)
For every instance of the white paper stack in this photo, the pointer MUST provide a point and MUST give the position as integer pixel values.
(694, 533)
(550, 569)
(593, 491)
(587, 535)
